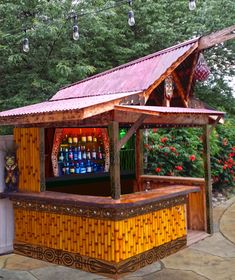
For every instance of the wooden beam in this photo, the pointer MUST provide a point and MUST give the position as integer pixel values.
(114, 161)
(139, 159)
(208, 183)
(215, 123)
(218, 37)
(191, 75)
(131, 131)
(180, 88)
(168, 71)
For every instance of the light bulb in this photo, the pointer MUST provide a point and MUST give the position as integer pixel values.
(131, 19)
(192, 5)
(75, 33)
(26, 45)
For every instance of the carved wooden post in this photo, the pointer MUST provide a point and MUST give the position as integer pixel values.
(139, 154)
(208, 183)
(114, 160)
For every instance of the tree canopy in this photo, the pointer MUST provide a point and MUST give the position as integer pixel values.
(106, 41)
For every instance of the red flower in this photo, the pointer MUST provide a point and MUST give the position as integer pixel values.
(192, 157)
(224, 167)
(164, 139)
(154, 130)
(158, 169)
(173, 149)
(179, 167)
(233, 148)
(231, 154)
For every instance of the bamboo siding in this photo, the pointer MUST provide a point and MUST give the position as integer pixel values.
(107, 240)
(28, 158)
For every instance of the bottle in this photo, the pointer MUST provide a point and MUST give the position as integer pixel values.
(70, 140)
(100, 156)
(89, 137)
(93, 154)
(94, 136)
(79, 153)
(88, 167)
(61, 154)
(83, 138)
(84, 155)
(88, 154)
(77, 168)
(70, 153)
(71, 168)
(75, 139)
(75, 154)
(67, 169)
(65, 139)
(82, 168)
(66, 154)
(94, 167)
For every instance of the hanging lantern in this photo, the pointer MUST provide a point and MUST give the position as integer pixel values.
(202, 71)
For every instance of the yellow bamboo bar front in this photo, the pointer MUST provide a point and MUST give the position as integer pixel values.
(108, 240)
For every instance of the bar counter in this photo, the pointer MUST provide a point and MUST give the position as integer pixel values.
(99, 234)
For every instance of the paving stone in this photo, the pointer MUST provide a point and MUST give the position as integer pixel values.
(171, 274)
(15, 275)
(149, 269)
(3, 259)
(212, 267)
(227, 223)
(216, 245)
(61, 272)
(18, 262)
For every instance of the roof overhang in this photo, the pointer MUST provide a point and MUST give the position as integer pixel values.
(167, 116)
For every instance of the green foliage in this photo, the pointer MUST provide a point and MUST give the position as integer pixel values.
(178, 152)
(174, 152)
(105, 41)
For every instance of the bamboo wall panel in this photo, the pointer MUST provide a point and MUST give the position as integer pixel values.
(107, 240)
(28, 157)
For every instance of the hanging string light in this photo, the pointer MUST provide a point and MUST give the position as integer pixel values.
(25, 43)
(75, 28)
(131, 19)
(192, 5)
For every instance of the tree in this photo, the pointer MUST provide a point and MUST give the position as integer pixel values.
(105, 41)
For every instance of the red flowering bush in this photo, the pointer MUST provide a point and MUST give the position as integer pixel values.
(174, 152)
(178, 152)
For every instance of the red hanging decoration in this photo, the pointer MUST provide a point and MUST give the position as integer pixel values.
(202, 70)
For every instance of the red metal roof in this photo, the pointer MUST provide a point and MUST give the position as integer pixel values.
(137, 75)
(157, 110)
(61, 105)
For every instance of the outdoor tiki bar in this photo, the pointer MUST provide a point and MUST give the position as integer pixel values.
(83, 199)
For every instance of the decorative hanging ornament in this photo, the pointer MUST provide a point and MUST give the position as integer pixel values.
(168, 87)
(202, 71)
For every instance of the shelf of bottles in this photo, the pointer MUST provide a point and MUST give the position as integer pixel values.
(81, 151)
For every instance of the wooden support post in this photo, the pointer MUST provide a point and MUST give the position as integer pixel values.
(139, 156)
(114, 161)
(42, 159)
(208, 183)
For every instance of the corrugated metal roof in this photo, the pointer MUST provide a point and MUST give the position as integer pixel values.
(61, 105)
(157, 110)
(137, 75)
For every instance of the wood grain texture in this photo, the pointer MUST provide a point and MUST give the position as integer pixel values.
(28, 158)
(196, 210)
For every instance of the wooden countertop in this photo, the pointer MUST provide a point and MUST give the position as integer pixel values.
(134, 199)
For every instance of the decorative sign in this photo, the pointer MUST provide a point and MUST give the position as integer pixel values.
(168, 87)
